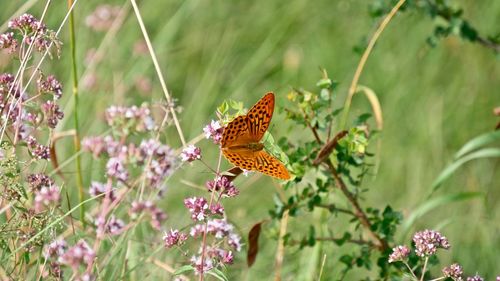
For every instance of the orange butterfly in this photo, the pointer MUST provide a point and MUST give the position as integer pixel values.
(241, 140)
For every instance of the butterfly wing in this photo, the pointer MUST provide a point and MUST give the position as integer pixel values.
(250, 128)
(236, 133)
(259, 117)
(243, 159)
(271, 166)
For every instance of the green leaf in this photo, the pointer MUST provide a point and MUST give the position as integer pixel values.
(217, 274)
(448, 171)
(478, 142)
(183, 269)
(433, 203)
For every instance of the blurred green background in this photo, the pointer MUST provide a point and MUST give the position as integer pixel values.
(433, 99)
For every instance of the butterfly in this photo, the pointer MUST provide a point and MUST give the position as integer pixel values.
(241, 140)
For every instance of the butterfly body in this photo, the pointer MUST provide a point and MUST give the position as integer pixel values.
(241, 140)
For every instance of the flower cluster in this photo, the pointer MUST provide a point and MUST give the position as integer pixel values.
(426, 244)
(33, 32)
(36, 149)
(79, 255)
(214, 131)
(428, 241)
(155, 160)
(221, 231)
(399, 253)
(157, 215)
(97, 188)
(174, 237)
(223, 185)
(130, 119)
(453, 271)
(113, 226)
(37, 181)
(191, 153)
(46, 196)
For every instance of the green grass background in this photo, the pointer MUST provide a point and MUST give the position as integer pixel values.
(434, 100)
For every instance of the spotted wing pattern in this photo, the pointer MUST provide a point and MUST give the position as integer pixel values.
(270, 166)
(243, 131)
(243, 159)
(259, 116)
(236, 133)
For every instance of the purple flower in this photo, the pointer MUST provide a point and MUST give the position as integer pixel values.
(97, 188)
(7, 41)
(191, 153)
(214, 131)
(116, 169)
(79, 254)
(37, 181)
(127, 119)
(162, 160)
(224, 185)
(217, 209)
(174, 237)
(399, 253)
(50, 85)
(197, 206)
(35, 32)
(220, 229)
(475, 278)
(454, 272)
(157, 215)
(114, 226)
(46, 196)
(99, 146)
(55, 249)
(37, 150)
(52, 113)
(197, 264)
(27, 23)
(428, 241)
(6, 87)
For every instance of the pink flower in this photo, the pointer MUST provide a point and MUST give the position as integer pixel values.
(97, 188)
(52, 113)
(214, 131)
(224, 185)
(157, 215)
(37, 150)
(46, 196)
(197, 264)
(79, 254)
(116, 169)
(454, 272)
(399, 253)
(174, 237)
(55, 249)
(191, 153)
(197, 206)
(428, 241)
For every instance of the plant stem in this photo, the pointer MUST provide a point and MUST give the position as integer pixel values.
(79, 178)
(424, 269)
(362, 62)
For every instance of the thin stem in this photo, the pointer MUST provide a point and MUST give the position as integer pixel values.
(204, 241)
(158, 72)
(424, 269)
(78, 160)
(362, 62)
(411, 271)
(359, 213)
